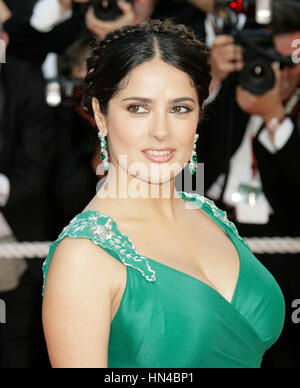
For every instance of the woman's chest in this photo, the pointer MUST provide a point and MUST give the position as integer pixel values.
(201, 250)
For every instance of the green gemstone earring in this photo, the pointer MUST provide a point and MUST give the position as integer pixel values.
(104, 153)
(194, 161)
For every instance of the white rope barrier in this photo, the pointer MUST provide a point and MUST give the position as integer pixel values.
(284, 245)
(24, 250)
(39, 250)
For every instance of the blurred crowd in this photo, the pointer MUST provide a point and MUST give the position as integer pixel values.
(49, 149)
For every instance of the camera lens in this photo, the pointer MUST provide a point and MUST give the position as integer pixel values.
(258, 72)
(257, 77)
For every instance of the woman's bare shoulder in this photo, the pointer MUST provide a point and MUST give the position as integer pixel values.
(79, 263)
(82, 283)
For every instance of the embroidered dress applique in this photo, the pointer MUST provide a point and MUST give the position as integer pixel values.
(103, 231)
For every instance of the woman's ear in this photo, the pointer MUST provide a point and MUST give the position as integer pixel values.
(99, 117)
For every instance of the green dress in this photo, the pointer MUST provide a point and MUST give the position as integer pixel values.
(168, 319)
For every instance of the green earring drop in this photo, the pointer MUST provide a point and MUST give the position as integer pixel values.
(194, 161)
(104, 153)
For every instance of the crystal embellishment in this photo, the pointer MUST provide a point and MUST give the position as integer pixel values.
(193, 162)
(103, 231)
(104, 153)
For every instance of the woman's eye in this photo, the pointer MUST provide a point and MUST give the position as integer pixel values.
(181, 109)
(135, 108)
(138, 109)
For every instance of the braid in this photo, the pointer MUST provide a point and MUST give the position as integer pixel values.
(153, 26)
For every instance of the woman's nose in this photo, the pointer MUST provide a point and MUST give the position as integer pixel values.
(160, 126)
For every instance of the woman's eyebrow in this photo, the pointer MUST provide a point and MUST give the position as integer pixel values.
(150, 100)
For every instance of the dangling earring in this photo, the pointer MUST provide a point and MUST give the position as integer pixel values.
(194, 161)
(104, 153)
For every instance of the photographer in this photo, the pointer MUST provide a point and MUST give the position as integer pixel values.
(27, 146)
(39, 27)
(61, 10)
(250, 146)
(134, 13)
(58, 29)
(236, 106)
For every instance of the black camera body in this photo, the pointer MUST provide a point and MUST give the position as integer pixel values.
(106, 10)
(259, 51)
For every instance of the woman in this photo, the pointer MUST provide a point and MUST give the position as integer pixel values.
(137, 280)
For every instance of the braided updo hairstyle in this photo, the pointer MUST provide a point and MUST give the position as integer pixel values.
(122, 50)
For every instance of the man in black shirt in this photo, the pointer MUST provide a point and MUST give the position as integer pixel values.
(27, 140)
(250, 146)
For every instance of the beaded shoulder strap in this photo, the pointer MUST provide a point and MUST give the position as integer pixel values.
(103, 231)
(218, 213)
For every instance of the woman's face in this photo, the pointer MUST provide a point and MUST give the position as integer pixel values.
(156, 108)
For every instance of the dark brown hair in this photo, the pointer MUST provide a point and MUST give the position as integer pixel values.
(121, 51)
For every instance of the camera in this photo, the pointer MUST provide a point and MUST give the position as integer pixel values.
(106, 10)
(260, 9)
(259, 51)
